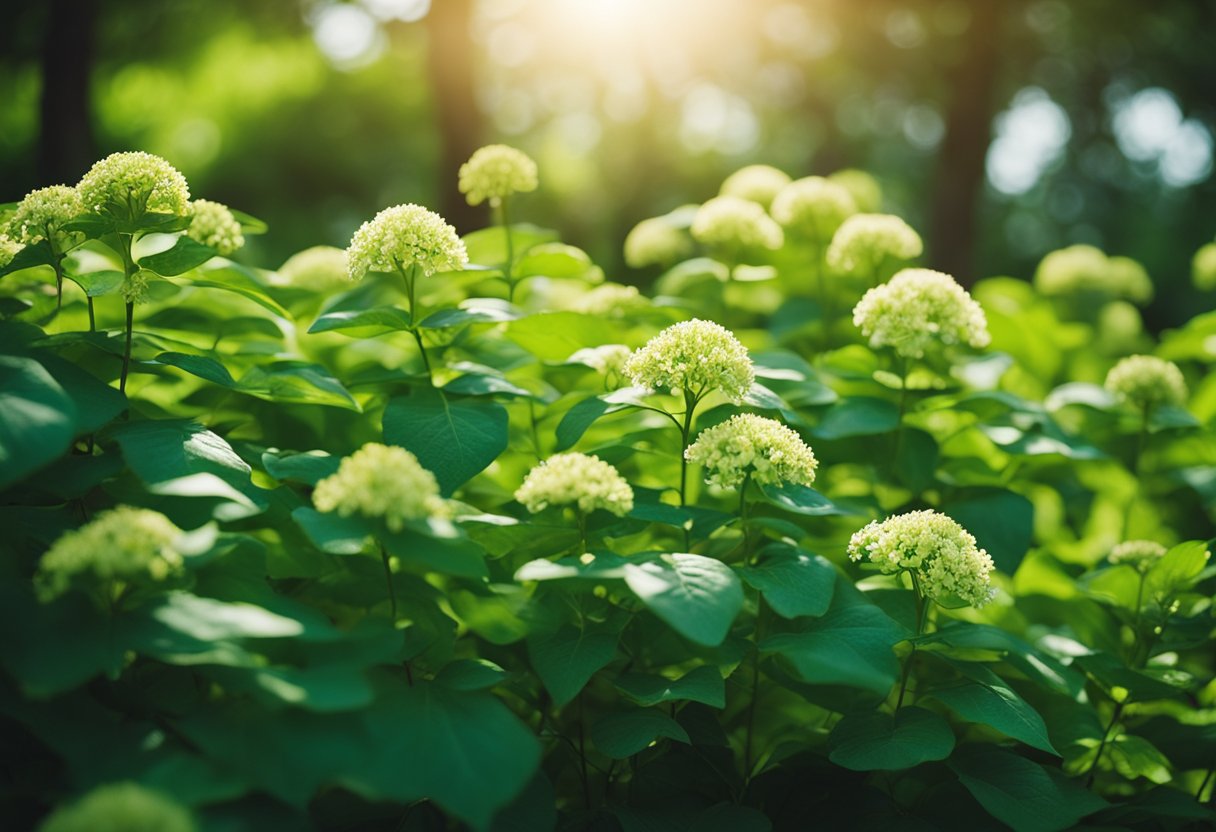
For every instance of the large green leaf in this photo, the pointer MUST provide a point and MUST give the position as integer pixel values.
(793, 582)
(879, 741)
(987, 699)
(553, 260)
(1177, 569)
(622, 735)
(488, 246)
(185, 254)
(701, 684)
(697, 596)
(281, 381)
(37, 418)
(454, 438)
(1021, 793)
(555, 336)
(363, 323)
(566, 659)
(861, 416)
(802, 499)
(1002, 522)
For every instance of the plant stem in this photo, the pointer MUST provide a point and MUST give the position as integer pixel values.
(582, 529)
(690, 405)
(921, 609)
(1207, 778)
(126, 353)
(507, 267)
(1110, 727)
(902, 363)
(388, 579)
(751, 705)
(1141, 442)
(411, 281)
(535, 432)
(747, 549)
(92, 316)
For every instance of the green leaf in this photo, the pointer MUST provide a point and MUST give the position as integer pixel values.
(580, 417)
(987, 699)
(850, 645)
(99, 283)
(471, 674)
(1134, 756)
(37, 418)
(877, 741)
(281, 381)
(36, 254)
(485, 384)
(1111, 673)
(793, 582)
(622, 735)
(1002, 522)
(242, 281)
(333, 533)
(602, 567)
(555, 336)
(472, 311)
(309, 467)
(860, 416)
(454, 438)
(449, 554)
(363, 323)
(185, 254)
(249, 223)
(97, 403)
(697, 596)
(701, 684)
(802, 499)
(209, 620)
(488, 246)
(1020, 792)
(1177, 569)
(566, 660)
(970, 637)
(916, 464)
(556, 260)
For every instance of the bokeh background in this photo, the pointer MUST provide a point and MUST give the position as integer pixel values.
(1000, 128)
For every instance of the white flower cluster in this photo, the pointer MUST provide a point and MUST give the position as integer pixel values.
(41, 215)
(213, 225)
(755, 183)
(656, 242)
(497, 171)
(873, 246)
(1086, 270)
(127, 184)
(1145, 381)
(607, 359)
(942, 554)
(318, 267)
(812, 208)
(381, 482)
(609, 300)
(747, 445)
(698, 356)
(402, 237)
(1138, 554)
(576, 479)
(735, 225)
(864, 188)
(920, 308)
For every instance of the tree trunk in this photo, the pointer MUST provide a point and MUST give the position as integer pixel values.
(65, 141)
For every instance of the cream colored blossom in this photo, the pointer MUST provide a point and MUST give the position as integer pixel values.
(127, 184)
(1138, 554)
(656, 242)
(121, 807)
(756, 183)
(918, 309)
(864, 188)
(872, 246)
(121, 546)
(1203, 268)
(402, 237)
(812, 208)
(576, 479)
(609, 300)
(497, 171)
(381, 482)
(942, 554)
(42, 214)
(747, 445)
(735, 225)
(8, 249)
(697, 356)
(318, 267)
(607, 359)
(1086, 270)
(134, 288)
(213, 225)
(1145, 381)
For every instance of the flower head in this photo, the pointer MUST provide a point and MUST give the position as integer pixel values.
(124, 545)
(317, 267)
(872, 246)
(942, 554)
(735, 224)
(656, 242)
(698, 356)
(127, 184)
(1086, 270)
(381, 482)
(134, 289)
(917, 309)
(609, 300)
(1138, 554)
(41, 215)
(756, 183)
(497, 171)
(607, 359)
(753, 446)
(1203, 268)
(812, 208)
(8, 249)
(1145, 381)
(213, 225)
(576, 479)
(864, 188)
(405, 236)
(121, 807)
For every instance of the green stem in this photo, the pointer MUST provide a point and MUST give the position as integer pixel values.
(126, 353)
(411, 282)
(92, 316)
(509, 266)
(902, 363)
(690, 406)
(535, 432)
(1110, 727)
(388, 579)
(921, 609)
(1141, 443)
(747, 549)
(1207, 778)
(582, 530)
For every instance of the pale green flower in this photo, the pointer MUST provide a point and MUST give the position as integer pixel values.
(656, 242)
(1086, 270)
(121, 807)
(918, 309)
(609, 300)
(402, 237)
(213, 225)
(1138, 554)
(497, 171)
(125, 185)
(381, 482)
(318, 267)
(8, 249)
(812, 208)
(134, 289)
(576, 479)
(942, 554)
(757, 183)
(872, 246)
(697, 356)
(1203, 268)
(864, 188)
(121, 546)
(752, 446)
(42, 214)
(607, 359)
(1145, 380)
(735, 225)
